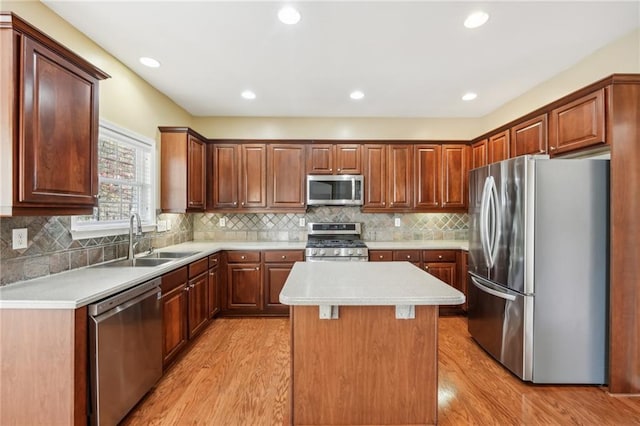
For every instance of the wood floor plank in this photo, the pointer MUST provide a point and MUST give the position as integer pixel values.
(237, 373)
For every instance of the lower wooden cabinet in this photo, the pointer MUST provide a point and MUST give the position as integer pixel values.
(174, 313)
(197, 300)
(254, 280)
(449, 266)
(213, 306)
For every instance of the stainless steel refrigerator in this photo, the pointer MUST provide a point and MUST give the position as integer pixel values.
(538, 265)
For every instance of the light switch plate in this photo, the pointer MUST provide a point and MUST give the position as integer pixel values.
(168, 225)
(162, 226)
(19, 239)
(301, 222)
(397, 222)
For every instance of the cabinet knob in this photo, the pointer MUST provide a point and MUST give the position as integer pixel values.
(426, 268)
(330, 169)
(235, 203)
(552, 148)
(284, 257)
(381, 257)
(383, 203)
(302, 204)
(408, 256)
(439, 256)
(95, 196)
(242, 203)
(242, 257)
(257, 268)
(338, 169)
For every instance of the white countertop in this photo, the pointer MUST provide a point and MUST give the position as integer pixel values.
(419, 245)
(80, 287)
(365, 283)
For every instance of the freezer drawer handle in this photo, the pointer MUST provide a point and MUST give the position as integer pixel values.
(491, 291)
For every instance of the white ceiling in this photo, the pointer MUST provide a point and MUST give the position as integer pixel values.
(411, 59)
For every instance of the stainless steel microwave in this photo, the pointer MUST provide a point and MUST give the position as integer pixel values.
(335, 190)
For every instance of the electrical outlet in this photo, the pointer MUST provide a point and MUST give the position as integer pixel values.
(222, 222)
(162, 226)
(397, 222)
(168, 225)
(301, 222)
(19, 240)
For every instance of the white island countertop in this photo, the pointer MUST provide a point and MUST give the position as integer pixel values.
(365, 284)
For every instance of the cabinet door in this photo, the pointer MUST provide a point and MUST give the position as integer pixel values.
(445, 271)
(243, 287)
(225, 176)
(578, 124)
(253, 178)
(275, 275)
(320, 159)
(58, 152)
(529, 137)
(174, 322)
(375, 176)
(479, 154)
(463, 276)
(400, 177)
(286, 176)
(213, 293)
(498, 147)
(348, 159)
(195, 173)
(454, 175)
(198, 303)
(427, 176)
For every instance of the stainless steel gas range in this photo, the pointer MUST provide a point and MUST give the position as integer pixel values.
(335, 242)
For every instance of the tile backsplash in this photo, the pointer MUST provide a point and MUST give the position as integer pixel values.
(286, 226)
(51, 249)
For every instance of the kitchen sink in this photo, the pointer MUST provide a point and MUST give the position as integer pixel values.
(139, 262)
(169, 255)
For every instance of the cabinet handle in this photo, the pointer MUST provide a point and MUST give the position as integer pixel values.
(408, 256)
(552, 148)
(242, 257)
(439, 256)
(383, 203)
(186, 288)
(257, 268)
(381, 257)
(330, 170)
(284, 257)
(242, 203)
(426, 268)
(338, 169)
(302, 204)
(235, 203)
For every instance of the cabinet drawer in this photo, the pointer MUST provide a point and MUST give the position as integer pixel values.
(214, 260)
(407, 255)
(173, 279)
(380, 255)
(283, 256)
(243, 256)
(439, 255)
(198, 267)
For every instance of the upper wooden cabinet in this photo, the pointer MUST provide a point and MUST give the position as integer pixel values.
(388, 177)
(48, 125)
(479, 154)
(428, 176)
(286, 176)
(578, 124)
(529, 137)
(455, 164)
(182, 170)
(331, 159)
(237, 176)
(498, 147)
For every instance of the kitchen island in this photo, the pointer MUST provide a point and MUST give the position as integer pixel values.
(364, 342)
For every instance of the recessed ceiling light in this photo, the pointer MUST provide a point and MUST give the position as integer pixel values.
(356, 95)
(150, 62)
(476, 19)
(469, 96)
(289, 15)
(248, 94)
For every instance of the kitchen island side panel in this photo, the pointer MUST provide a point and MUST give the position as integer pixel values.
(366, 367)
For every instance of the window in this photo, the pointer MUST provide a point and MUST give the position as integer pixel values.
(126, 168)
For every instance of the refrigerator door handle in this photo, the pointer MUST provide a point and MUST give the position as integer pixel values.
(500, 294)
(495, 223)
(484, 220)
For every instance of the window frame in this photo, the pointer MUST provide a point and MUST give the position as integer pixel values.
(83, 230)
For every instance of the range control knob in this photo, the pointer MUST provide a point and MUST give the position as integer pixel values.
(313, 252)
(359, 251)
(350, 251)
(322, 252)
(336, 251)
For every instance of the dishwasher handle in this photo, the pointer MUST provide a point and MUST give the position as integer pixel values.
(119, 299)
(119, 308)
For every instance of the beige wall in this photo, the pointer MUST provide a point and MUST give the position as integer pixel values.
(125, 99)
(621, 56)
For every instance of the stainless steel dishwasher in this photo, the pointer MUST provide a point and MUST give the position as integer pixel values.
(125, 338)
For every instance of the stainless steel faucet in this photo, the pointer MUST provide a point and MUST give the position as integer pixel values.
(138, 233)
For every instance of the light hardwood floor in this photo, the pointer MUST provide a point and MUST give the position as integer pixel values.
(237, 373)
